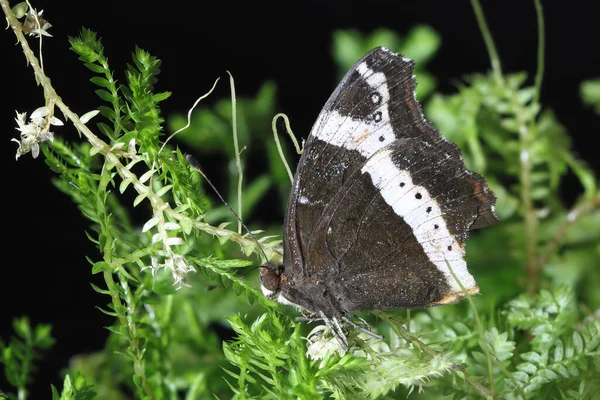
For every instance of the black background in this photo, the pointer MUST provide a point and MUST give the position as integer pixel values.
(44, 273)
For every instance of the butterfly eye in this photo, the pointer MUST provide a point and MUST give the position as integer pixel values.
(270, 278)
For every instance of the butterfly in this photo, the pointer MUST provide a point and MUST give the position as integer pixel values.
(380, 206)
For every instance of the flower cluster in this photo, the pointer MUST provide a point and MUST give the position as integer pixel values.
(34, 132)
(171, 260)
(321, 344)
(35, 25)
(176, 264)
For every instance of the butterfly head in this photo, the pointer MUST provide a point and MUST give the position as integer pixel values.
(270, 277)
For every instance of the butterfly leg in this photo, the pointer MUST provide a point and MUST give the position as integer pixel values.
(336, 329)
(362, 321)
(309, 318)
(333, 325)
(338, 332)
(366, 330)
(340, 335)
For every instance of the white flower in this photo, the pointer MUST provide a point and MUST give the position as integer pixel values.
(321, 343)
(35, 25)
(176, 264)
(34, 132)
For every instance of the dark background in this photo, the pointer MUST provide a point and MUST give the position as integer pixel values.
(44, 272)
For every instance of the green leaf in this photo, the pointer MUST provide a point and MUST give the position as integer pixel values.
(532, 357)
(158, 97)
(558, 351)
(104, 95)
(528, 368)
(346, 48)
(102, 82)
(95, 68)
(99, 290)
(590, 93)
(577, 343)
(139, 198)
(100, 266)
(510, 124)
(109, 313)
(420, 44)
(107, 112)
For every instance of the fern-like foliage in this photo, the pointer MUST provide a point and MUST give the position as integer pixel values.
(560, 352)
(138, 260)
(270, 357)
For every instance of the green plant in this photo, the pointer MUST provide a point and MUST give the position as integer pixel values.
(534, 332)
(19, 355)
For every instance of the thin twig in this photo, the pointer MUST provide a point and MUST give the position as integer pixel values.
(236, 149)
(539, 75)
(41, 37)
(50, 94)
(189, 115)
(279, 149)
(489, 41)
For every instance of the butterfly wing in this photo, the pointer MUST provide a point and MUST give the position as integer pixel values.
(381, 203)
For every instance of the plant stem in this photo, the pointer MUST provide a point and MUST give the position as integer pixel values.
(531, 221)
(489, 41)
(525, 132)
(236, 149)
(124, 314)
(539, 75)
(139, 365)
(279, 149)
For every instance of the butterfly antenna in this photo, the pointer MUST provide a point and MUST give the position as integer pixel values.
(196, 166)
